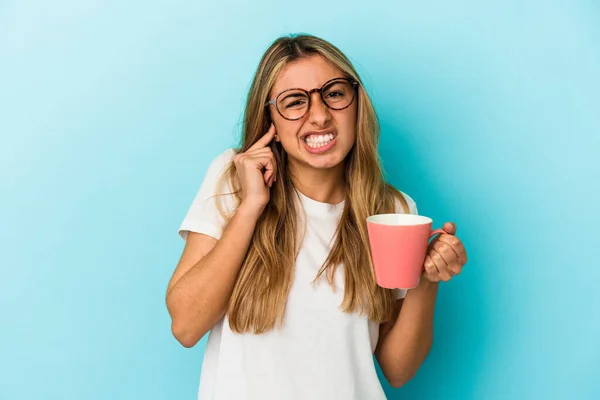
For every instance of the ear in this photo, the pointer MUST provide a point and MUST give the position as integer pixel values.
(270, 121)
(276, 137)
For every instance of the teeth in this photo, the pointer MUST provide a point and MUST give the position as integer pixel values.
(316, 141)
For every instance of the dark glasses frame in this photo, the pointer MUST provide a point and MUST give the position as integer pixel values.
(308, 94)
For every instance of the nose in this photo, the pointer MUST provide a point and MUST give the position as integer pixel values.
(318, 113)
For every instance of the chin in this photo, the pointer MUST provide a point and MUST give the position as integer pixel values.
(327, 160)
(324, 161)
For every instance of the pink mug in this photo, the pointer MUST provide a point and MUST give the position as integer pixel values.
(398, 248)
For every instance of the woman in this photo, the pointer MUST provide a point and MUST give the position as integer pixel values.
(276, 262)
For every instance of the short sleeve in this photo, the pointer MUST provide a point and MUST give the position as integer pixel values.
(412, 206)
(412, 209)
(203, 215)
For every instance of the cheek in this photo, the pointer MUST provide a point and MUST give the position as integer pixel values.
(287, 131)
(346, 124)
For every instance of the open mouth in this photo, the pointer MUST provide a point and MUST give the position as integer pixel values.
(319, 142)
(316, 141)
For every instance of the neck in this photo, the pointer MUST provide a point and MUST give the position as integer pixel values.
(323, 185)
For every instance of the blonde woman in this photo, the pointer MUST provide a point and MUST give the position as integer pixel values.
(276, 261)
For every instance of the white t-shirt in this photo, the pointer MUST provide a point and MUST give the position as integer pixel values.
(320, 352)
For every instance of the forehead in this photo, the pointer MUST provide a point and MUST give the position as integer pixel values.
(306, 73)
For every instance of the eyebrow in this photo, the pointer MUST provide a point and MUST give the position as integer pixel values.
(294, 94)
(292, 88)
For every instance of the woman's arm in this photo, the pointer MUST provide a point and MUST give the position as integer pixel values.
(203, 281)
(405, 341)
(199, 291)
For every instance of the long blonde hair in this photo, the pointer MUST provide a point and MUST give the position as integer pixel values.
(260, 293)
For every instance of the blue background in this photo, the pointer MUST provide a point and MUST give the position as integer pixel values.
(111, 111)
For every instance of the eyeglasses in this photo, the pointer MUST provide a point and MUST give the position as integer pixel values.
(337, 94)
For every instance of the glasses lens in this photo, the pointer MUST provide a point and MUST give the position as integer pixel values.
(338, 94)
(292, 104)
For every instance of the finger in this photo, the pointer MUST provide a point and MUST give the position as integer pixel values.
(446, 251)
(441, 265)
(265, 140)
(273, 177)
(457, 246)
(431, 269)
(270, 170)
(259, 162)
(259, 151)
(265, 152)
(450, 228)
(453, 265)
(269, 165)
(269, 178)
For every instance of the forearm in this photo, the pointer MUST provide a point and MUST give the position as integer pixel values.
(407, 343)
(199, 298)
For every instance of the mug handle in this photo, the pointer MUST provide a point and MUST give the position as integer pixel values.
(435, 232)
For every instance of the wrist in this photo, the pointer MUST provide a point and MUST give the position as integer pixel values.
(250, 210)
(427, 285)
